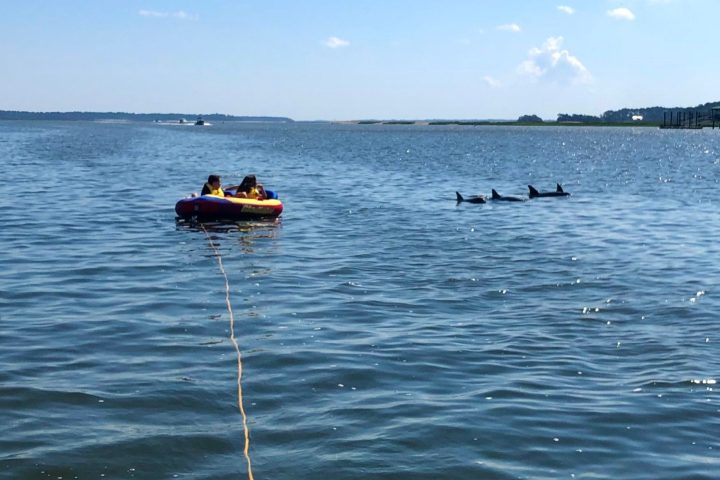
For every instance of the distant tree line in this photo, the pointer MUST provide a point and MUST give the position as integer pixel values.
(649, 114)
(136, 117)
(529, 119)
(652, 115)
(577, 118)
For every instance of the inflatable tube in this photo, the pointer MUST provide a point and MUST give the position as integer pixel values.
(213, 208)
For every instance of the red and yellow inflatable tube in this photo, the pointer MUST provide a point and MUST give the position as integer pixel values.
(212, 207)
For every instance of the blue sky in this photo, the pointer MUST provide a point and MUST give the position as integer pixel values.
(341, 60)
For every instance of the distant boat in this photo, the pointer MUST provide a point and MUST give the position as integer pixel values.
(182, 120)
(201, 122)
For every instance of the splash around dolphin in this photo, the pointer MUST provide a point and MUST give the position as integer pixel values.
(559, 192)
(470, 199)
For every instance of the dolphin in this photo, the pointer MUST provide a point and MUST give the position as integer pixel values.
(557, 193)
(472, 199)
(497, 196)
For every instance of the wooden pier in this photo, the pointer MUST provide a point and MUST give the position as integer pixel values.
(691, 119)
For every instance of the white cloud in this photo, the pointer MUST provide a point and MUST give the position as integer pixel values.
(530, 69)
(150, 13)
(566, 9)
(491, 82)
(509, 27)
(621, 13)
(180, 14)
(552, 63)
(335, 42)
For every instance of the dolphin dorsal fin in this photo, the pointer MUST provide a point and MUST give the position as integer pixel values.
(459, 197)
(495, 194)
(533, 191)
(559, 189)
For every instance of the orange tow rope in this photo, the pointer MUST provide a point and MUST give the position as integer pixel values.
(246, 451)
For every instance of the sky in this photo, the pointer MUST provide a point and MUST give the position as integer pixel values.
(353, 59)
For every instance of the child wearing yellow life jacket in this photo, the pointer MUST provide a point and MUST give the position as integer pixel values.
(249, 188)
(212, 187)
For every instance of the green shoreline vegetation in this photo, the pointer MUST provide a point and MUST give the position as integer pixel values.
(625, 117)
(134, 117)
(481, 123)
(704, 115)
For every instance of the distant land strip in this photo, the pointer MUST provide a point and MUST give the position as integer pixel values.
(476, 123)
(640, 117)
(644, 116)
(134, 117)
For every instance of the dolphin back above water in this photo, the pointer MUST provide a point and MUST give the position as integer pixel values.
(471, 199)
(557, 193)
(496, 196)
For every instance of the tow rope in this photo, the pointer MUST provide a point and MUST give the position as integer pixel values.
(246, 432)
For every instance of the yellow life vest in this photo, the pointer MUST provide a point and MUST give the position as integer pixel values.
(253, 193)
(218, 192)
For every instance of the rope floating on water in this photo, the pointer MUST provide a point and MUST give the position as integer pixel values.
(246, 450)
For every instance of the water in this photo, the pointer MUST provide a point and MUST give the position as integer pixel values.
(385, 331)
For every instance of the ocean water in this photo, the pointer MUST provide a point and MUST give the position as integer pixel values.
(385, 332)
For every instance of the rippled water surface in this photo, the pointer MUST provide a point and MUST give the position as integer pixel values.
(385, 331)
